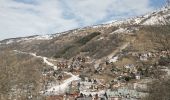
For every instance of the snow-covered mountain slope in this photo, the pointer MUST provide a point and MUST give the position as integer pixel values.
(30, 38)
(159, 17)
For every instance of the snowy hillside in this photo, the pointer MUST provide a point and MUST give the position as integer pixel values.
(29, 39)
(160, 17)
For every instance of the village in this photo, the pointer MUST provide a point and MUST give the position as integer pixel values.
(112, 79)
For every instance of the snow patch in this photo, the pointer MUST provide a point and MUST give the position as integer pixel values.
(43, 37)
(49, 63)
(60, 89)
(29, 39)
(45, 59)
(137, 20)
(9, 42)
(113, 59)
(155, 20)
(121, 30)
(101, 38)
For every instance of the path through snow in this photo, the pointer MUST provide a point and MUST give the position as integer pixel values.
(45, 59)
(58, 89)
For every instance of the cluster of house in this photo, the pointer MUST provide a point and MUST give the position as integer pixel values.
(118, 94)
(75, 63)
(51, 73)
(125, 93)
(136, 71)
(77, 96)
(91, 85)
(112, 92)
(62, 65)
(99, 67)
(78, 63)
(52, 78)
(94, 86)
(145, 56)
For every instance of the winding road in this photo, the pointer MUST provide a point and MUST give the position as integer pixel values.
(57, 89)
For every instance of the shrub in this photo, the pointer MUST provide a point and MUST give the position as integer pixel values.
(101, 48)
(164, 61)
(87, 38)
(63, 50)
(159, 90)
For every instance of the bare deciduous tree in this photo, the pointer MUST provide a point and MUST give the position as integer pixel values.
(160, 36)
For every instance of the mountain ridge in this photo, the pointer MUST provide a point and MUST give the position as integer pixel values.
(158, 17)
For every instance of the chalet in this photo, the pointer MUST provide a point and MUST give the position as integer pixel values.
(79, 59)
(138, 76)
(149, 54)
(164, 53)
(143, 57)
(62, 65)
(129, 66)
(100, 87)
(86, 79)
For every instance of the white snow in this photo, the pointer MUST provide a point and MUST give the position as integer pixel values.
(60, 89)
(43, 37)
(9, 41)
(159, 17)
(114, 59)
(129, 30)
(49, 63)
(155, 20)
(116, 23)
(29, 39)
(101, 38)
(39, 37)
(121, 30)
(146, 16)
(45, 59)
(97, 26)
(137, 20)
